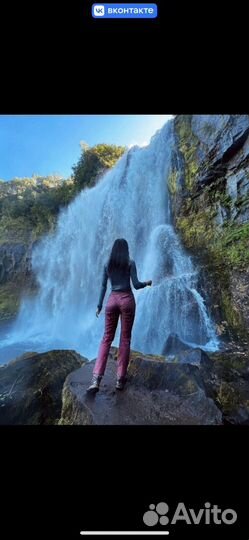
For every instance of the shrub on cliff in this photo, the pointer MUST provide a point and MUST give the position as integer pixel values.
(94, 161)
(31, 205)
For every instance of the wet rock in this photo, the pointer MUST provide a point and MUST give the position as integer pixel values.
(15, 259)
(226, 378)
(157, 392)
(195, 357)
(210, 209)
(223, 135)
(31, 387)
(174, 345)
(240, 293)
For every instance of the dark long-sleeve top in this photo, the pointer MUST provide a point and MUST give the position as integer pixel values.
(120, 281)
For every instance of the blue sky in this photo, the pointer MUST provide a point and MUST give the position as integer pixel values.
(43, 145)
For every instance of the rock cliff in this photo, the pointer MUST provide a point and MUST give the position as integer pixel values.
(209, 186)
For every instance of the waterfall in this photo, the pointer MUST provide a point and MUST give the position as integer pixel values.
(129, 201)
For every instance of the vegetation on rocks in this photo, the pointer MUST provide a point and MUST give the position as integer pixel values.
(188, 144)
(9, 300)
(172, 181)
(29, 209)
(224, 244)
(228, 375)
(210, 207)
(93, 162)
(29, 206)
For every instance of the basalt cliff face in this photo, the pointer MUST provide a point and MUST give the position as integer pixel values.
(209, 186)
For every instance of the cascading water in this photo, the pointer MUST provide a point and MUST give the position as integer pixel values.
(130, 201)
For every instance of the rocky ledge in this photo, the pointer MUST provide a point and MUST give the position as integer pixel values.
(157, 392)
(190, 388)
(31, 387)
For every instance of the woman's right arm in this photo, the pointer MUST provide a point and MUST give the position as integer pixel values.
(137, 284)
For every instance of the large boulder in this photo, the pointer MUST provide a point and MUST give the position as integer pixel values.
(193, 356)
(157, 392)
(50, 388)
(226, 379)
(31, 386)
(174, 345)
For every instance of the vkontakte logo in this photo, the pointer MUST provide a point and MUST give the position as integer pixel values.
(162, 514)
(99, 11)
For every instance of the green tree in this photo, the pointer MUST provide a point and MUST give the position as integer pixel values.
(94, 161)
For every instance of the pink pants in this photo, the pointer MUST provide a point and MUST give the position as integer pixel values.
(123, 304)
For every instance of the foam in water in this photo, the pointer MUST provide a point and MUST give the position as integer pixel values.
(130, 201)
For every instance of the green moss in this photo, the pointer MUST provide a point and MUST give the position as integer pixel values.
(224, 245)
(226, 363)
(10, 297)
(94, 161)
(232, 397)
(188, 144)
(172, 181)
(232, 245)
(232, 315)
(22, 229)
(227, 398)
(222, 248)
(14, 230)
(9, 301)
(242, 201)
(224, 199)
(197, 228)
(190, 386)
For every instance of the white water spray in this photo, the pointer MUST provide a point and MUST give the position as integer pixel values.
(130, 201)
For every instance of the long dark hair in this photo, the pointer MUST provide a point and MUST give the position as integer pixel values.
(119, 258)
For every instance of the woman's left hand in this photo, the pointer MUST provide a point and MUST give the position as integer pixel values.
(97, 312)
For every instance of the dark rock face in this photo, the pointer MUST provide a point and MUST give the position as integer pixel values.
(209, 187)
(222, 136)
(15, 259)
(31, 387)
(195, 357)
(174, 345)
(16, 276)
(226, 378)
(157, 392)
(239, 286)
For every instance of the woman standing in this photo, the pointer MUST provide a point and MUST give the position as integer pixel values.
(121, 302)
